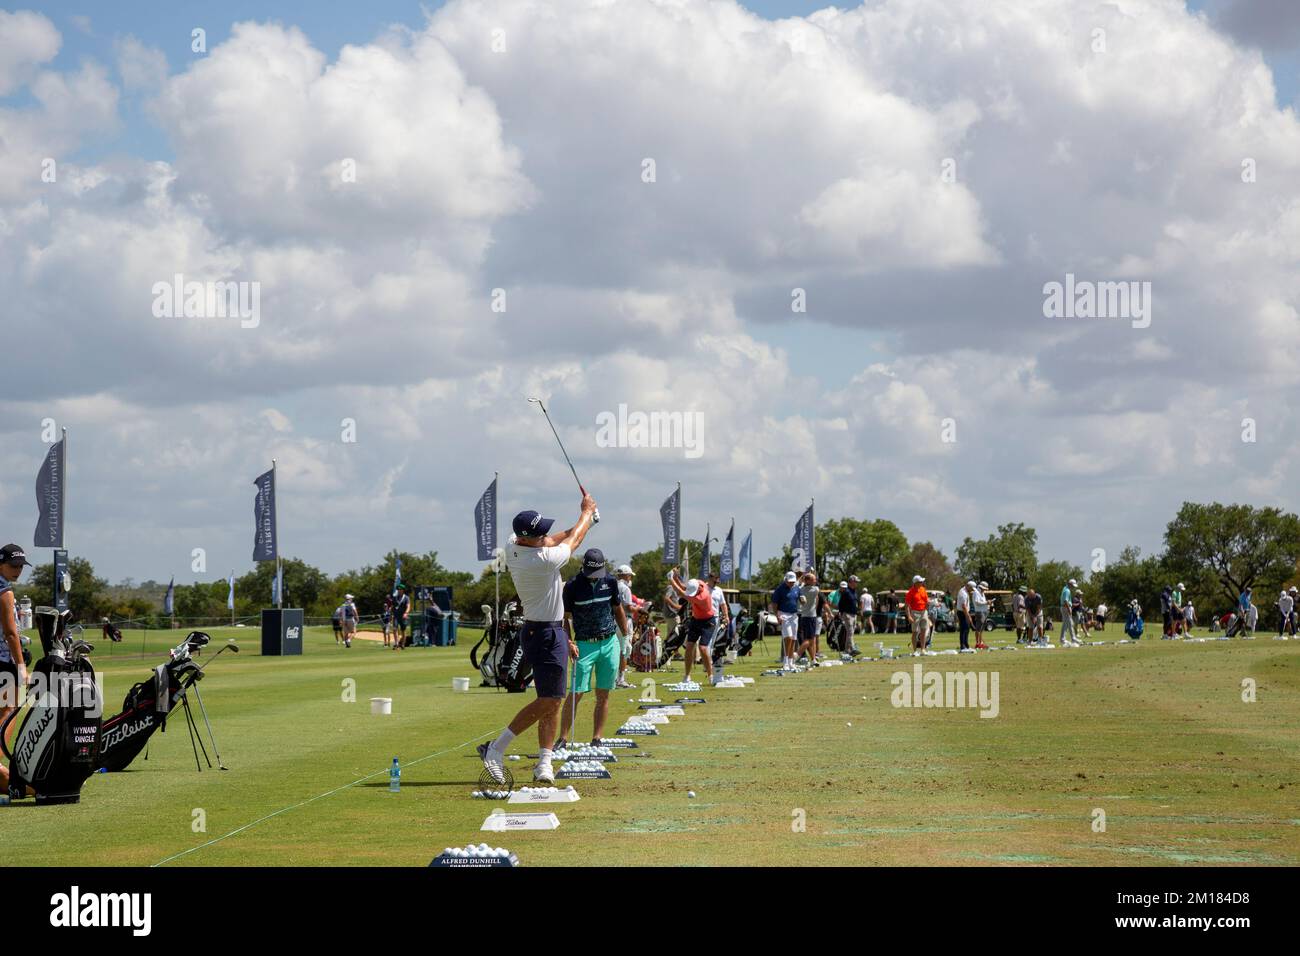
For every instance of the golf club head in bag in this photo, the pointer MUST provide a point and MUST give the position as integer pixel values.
(55, 748)
(147, 705)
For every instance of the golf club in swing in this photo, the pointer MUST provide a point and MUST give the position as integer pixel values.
(595, 518)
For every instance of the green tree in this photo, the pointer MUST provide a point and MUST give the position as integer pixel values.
(848, 546)
(1237, 546)
(924, 559)
(1131, 577)
(1005, 560)
(303, 585)
(88, 600)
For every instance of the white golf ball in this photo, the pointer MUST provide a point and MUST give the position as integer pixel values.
(691, 794)
(848, 724)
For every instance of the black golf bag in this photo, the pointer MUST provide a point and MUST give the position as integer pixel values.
(112, 633)
(722, 641)
(836, 632)
(54, 749)
(673, 642)
(503, 663)
(146, 708)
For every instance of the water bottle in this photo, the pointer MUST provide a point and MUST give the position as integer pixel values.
(395, 778)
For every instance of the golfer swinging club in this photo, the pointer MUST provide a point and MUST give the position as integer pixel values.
(534, 560)
(13, 672)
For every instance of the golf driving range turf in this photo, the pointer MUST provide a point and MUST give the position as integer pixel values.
(1155, 736)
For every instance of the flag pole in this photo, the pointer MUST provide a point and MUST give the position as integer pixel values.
(496, 558)
(275, 531)
(63, 496)
(812, 522)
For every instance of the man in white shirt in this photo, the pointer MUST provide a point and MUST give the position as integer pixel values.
(964, 621)
(535, 560)
(867, 607)
(625, 574)
(979, 604)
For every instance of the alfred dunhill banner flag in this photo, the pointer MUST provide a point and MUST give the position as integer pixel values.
(727, 566)
(264, 543)
(485, 523)
(670, 513)
(801, 545)
(49, 498)
(706, 554)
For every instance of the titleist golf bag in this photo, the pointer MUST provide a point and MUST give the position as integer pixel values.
(147, 706)
(54, 750)
(503, 663)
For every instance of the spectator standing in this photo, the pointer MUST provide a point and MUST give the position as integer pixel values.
(964, 620)
(810, 597)
(785, 605)
(867, 607)
(1018, 613)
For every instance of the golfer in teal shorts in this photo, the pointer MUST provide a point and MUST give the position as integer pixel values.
(594, 618)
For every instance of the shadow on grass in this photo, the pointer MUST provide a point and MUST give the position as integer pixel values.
(383, 784)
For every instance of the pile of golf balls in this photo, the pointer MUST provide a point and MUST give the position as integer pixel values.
(542, 789)
(613, 741)
(491, 794)
(581, 752)
(683, 685)
(581, 766)
(481, 851)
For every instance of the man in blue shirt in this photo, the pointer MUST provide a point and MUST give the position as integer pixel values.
(1067, 614)
(595, 619)
(785, 605)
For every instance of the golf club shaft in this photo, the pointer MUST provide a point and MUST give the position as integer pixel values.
(595, 518)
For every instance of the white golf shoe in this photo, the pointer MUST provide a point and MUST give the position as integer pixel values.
(491, 763)
(544, 773)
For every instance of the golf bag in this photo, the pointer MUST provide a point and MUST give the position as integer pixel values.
(1133, 624)
(54, 749)
(146, 708)
(722, 642)
(112, 633)
(646, 642)
(673, 642)
(503, 663)
(835, 634)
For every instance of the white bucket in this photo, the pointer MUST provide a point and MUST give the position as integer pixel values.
(381, 706)
(887, 652)
(460, 683)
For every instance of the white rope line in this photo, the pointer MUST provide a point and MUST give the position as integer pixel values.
(321, 796)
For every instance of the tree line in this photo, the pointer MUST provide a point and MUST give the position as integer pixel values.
(1213, 549)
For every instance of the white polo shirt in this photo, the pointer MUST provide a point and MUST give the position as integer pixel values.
(866, 603)
(536, 575)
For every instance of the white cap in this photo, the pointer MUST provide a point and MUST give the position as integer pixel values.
(984, 584)
(791, 576)
(1073, 583)
(917, 579)
(692, 587)
(970, 584)
(625, 569)
(348, 597)
(844, 584)
(1180, 584)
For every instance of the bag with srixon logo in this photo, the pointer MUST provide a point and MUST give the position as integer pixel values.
(503, 664)
(57, 743)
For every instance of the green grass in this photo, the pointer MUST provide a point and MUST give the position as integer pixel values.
(1156, 735)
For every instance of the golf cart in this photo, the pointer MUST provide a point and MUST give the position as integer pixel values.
(999, 614)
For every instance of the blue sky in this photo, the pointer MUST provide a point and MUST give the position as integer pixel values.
(782, 167)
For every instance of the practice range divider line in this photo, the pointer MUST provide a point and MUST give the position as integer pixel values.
(320, 796)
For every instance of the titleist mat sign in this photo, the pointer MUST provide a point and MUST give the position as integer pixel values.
(638, 730)
(545, 795)
(499, 821)
(666, 711)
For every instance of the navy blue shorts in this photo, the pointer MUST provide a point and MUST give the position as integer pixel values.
(700, 630)
(546, 649)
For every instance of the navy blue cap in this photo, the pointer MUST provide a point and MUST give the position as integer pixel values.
(593, 563)
(529, 524)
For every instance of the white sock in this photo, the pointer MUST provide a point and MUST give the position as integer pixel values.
(544, 756)
(501, 743)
